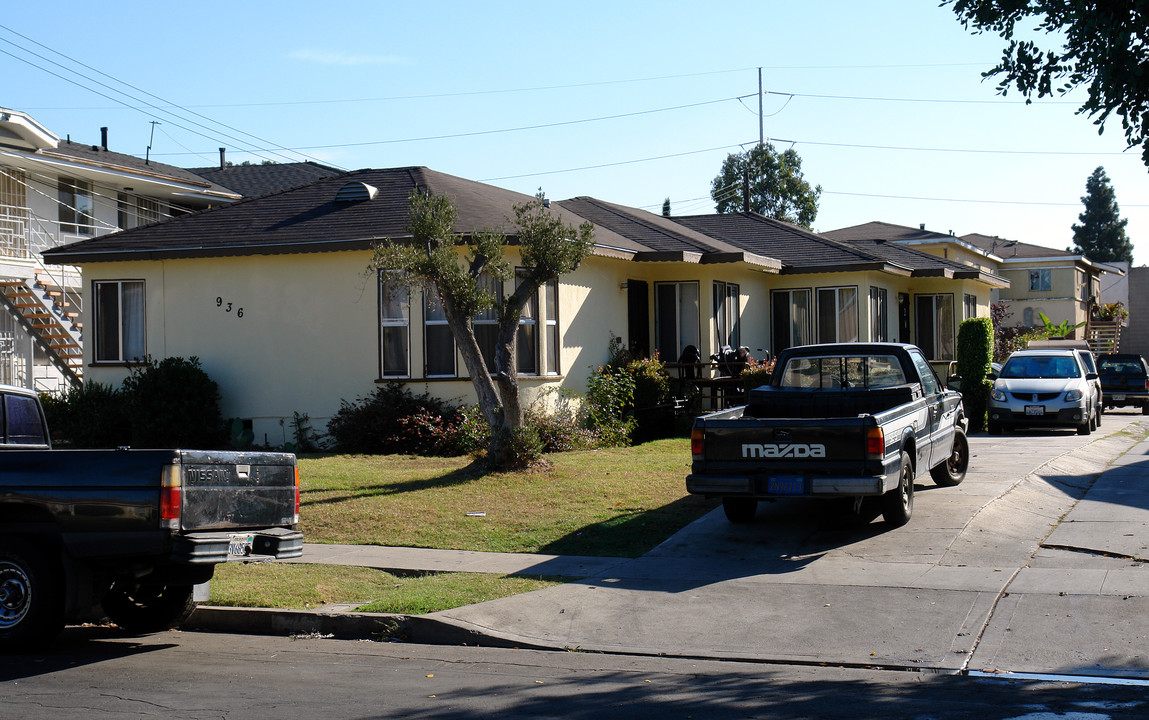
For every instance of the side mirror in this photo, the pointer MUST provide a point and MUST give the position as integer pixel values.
(992, 376)
(953, 382)
(1091, 376)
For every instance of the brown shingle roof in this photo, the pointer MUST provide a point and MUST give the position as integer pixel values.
(307, 219)
(256, 180)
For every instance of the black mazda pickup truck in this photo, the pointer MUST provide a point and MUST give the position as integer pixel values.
(126, 534)
(837, 420)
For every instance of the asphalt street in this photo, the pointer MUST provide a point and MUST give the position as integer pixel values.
(1034, 564)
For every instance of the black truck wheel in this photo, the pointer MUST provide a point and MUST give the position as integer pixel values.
(739, 509)
(898, 504)
(952, 471)
(148, 608)
(31, 601)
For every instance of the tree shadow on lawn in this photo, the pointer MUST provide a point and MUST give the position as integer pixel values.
(631, 533)
(473, 471)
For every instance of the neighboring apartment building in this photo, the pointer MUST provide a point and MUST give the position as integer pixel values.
(1057, 283)
(54, 192)
(1060, 284)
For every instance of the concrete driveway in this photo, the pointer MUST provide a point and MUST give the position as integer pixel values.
(1009, 572)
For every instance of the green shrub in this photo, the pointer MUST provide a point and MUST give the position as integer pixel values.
(609, 396)
(87, 416)
(521, 447)
(174, 404)
(393, 420)
(975, 343)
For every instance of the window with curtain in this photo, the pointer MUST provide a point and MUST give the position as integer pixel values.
(676, 318)
(119, 318)
(790, 318)
(879, 315)
(838, 314)
(1040, 280)
(527, 343)
(727, 314)
(486, 322)
(552, 324)
(394, 326)
(935, 325)
(76, 208)
(438, 342)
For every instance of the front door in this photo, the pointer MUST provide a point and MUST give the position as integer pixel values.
(903, 317)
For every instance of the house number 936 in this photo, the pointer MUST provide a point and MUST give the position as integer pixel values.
(228, 307)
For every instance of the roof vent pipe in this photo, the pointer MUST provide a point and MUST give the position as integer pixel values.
(922, 226)
(222, 158)
(104, 138)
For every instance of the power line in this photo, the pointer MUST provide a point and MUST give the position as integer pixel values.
(540, 88)
(520, 128)
(613, 164)
(919, 100)
(121, 92)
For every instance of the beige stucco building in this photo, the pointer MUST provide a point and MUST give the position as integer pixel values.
(274, 296)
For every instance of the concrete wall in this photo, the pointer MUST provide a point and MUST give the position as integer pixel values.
(1135, 337)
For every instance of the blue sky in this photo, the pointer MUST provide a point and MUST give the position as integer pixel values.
(629, 102)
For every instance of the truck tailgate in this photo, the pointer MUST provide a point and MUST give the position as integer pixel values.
(231, 490)
(827, 445)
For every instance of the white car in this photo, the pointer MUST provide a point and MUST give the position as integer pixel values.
(1043, 388)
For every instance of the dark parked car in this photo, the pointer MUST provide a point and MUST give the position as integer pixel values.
(1124, 380)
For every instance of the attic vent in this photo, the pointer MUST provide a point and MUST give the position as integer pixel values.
(354, 192)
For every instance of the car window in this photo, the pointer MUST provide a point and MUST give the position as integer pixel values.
(23, 423)
(930, 384)
(1087, 360)
(843, 372)
(1041, 366)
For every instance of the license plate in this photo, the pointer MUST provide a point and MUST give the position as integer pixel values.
(1119, 396)
(785, 485)
(240, 544)
(1034, 409)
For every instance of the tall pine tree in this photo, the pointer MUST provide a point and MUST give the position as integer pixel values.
(1101, 234)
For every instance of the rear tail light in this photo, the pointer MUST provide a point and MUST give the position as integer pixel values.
(296, 520)
(171, 497)
(875, 444)
(696, 442)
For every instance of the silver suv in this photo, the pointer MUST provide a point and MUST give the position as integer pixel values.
(1044, 388)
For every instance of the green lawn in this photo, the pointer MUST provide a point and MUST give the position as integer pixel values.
(618, 502)
(615, 502)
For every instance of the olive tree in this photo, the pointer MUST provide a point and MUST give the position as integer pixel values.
(440, 260)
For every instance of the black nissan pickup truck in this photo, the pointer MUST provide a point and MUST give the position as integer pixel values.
(837, 420)
(126, 534)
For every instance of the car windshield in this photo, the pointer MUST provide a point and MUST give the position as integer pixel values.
(1041, 366)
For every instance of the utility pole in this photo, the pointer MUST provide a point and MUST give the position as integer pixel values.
(761, 136)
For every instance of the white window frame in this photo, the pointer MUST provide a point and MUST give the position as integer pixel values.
(551, 317)
(685, 332)
(939, 342)
(130, 344)
(77, 206)
(388, 283)
(485, 323)
(727, 313)
(844, 296)
(803, 328)
(879, 314)
(970, 302)
(434, 318)
(528, 341)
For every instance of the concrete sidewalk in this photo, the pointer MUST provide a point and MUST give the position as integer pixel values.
(1018, 569)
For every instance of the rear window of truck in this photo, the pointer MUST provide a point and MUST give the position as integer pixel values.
(22, 423)
(867, 371)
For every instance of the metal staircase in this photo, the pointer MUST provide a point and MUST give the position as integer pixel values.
(49, 311)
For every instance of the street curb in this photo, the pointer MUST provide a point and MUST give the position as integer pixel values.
(384, 627)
